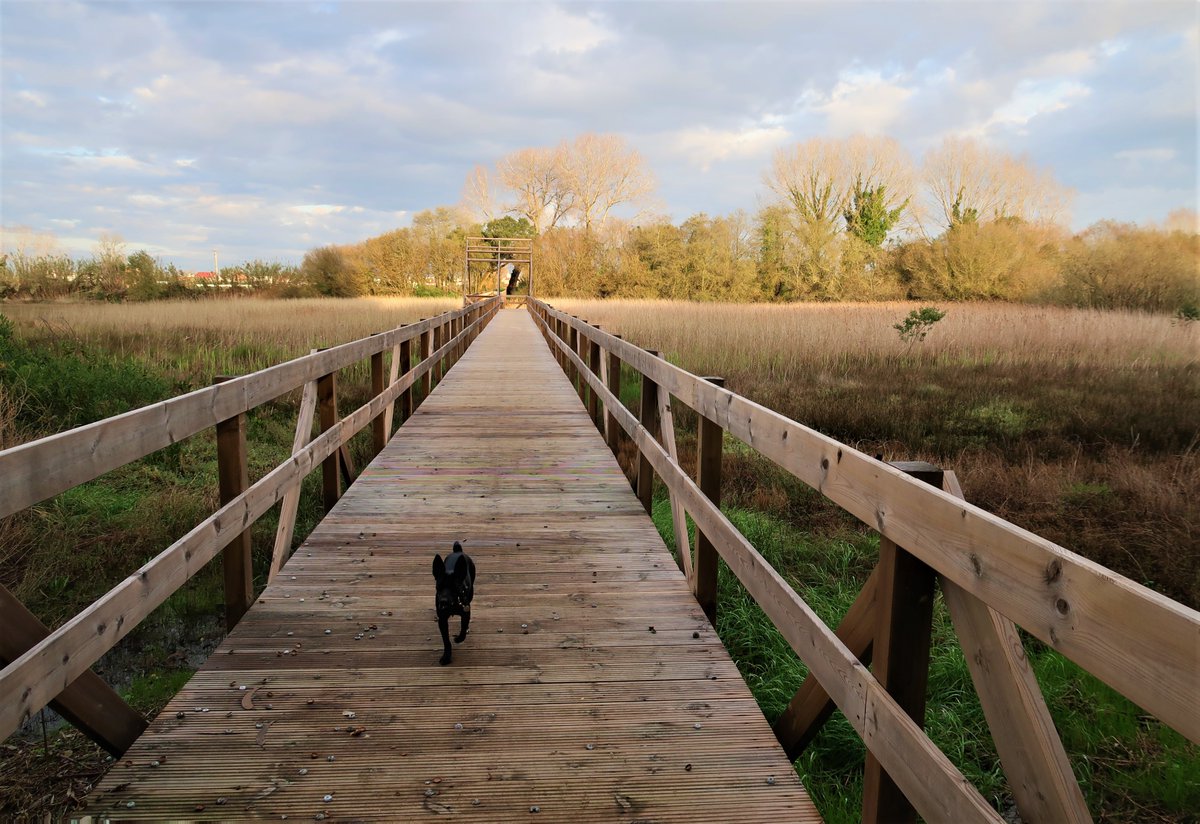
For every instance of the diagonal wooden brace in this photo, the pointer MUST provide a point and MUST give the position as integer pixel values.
(91, 705)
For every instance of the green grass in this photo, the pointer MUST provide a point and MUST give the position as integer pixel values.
(1129, 765)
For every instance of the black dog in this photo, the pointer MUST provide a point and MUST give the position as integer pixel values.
(455, 588)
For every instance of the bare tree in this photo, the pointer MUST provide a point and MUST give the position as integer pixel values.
(818, 177)
(477, 196)
(536, 177)
(967, 182)
(602, 172)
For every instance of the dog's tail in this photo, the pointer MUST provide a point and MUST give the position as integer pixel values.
(457, 546)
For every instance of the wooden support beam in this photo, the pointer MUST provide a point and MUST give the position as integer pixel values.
(708, 478)
(393, 373)
(593, 398)
(233, 479)
(811, 706)
(406, 397)
(683, 547)
(647, 410)
(900, 653)
(328, 413)
(91, 705)
(291, 497)
(611, 430)
(1031, 753)
(379, 426)
(427, 378)
(572, 372)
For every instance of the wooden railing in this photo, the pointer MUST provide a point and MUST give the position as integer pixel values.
(44, 667)
(994, 576)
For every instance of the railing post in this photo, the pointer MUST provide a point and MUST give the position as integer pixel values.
(612, 430)
(900, 653)
(708, 478)
(328, 413)
(233, 479)
(436, 344)
(426, 351)
(379, 433)
(406, 397)
(593, 398)
(647, 417)
(572, 372)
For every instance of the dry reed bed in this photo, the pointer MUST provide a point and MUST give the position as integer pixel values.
(264, 331)
(1078, 424)
(776, 336)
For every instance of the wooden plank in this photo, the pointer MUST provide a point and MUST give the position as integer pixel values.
(233, 479)
(291, 498)
(1036, 765)
(393, 373)
(1139, 642)
(811, 706)
(406, 397)
(903, 622)
(328, 413)
(379, 427)
(612, 380)
(40, 469)
(91, 705)
(708, 478)
(594, 365)
(647, 410)
(683, 548)
(427, 380)
(46, 669)
(674, 733)
(928, 779)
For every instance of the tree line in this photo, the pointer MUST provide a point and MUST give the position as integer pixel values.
(847, 219)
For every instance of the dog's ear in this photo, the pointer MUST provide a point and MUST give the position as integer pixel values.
(439, 567)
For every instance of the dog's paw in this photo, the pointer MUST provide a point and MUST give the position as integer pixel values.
(444, 660)
(458, 639)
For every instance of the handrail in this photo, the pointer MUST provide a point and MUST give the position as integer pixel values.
(34, 471)
(43, 671)
(1140, 642)
(937, 788)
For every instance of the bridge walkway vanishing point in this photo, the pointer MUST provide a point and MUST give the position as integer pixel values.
(582, 691)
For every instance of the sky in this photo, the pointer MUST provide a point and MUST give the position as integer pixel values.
(263, 129)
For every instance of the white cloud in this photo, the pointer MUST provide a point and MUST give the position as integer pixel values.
(863, 100)
(705, 146)
(556, 30)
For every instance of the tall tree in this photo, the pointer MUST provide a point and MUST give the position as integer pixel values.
(537, 179)
(602, 172)
(968, 181)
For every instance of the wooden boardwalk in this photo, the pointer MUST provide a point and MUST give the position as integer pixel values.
(327, 700)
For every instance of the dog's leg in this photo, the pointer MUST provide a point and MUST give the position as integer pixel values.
(466, 622)
(444, 628)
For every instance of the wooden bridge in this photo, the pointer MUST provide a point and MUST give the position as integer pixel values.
(592, 684)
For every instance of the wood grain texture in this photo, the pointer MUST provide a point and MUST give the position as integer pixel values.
(40, 469)
(562, 697)
(88, 703)
(1138, 641)
(928, 779)
(32, 680)
(1031, 753)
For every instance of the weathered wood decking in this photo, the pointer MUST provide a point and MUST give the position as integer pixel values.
(562, 699)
